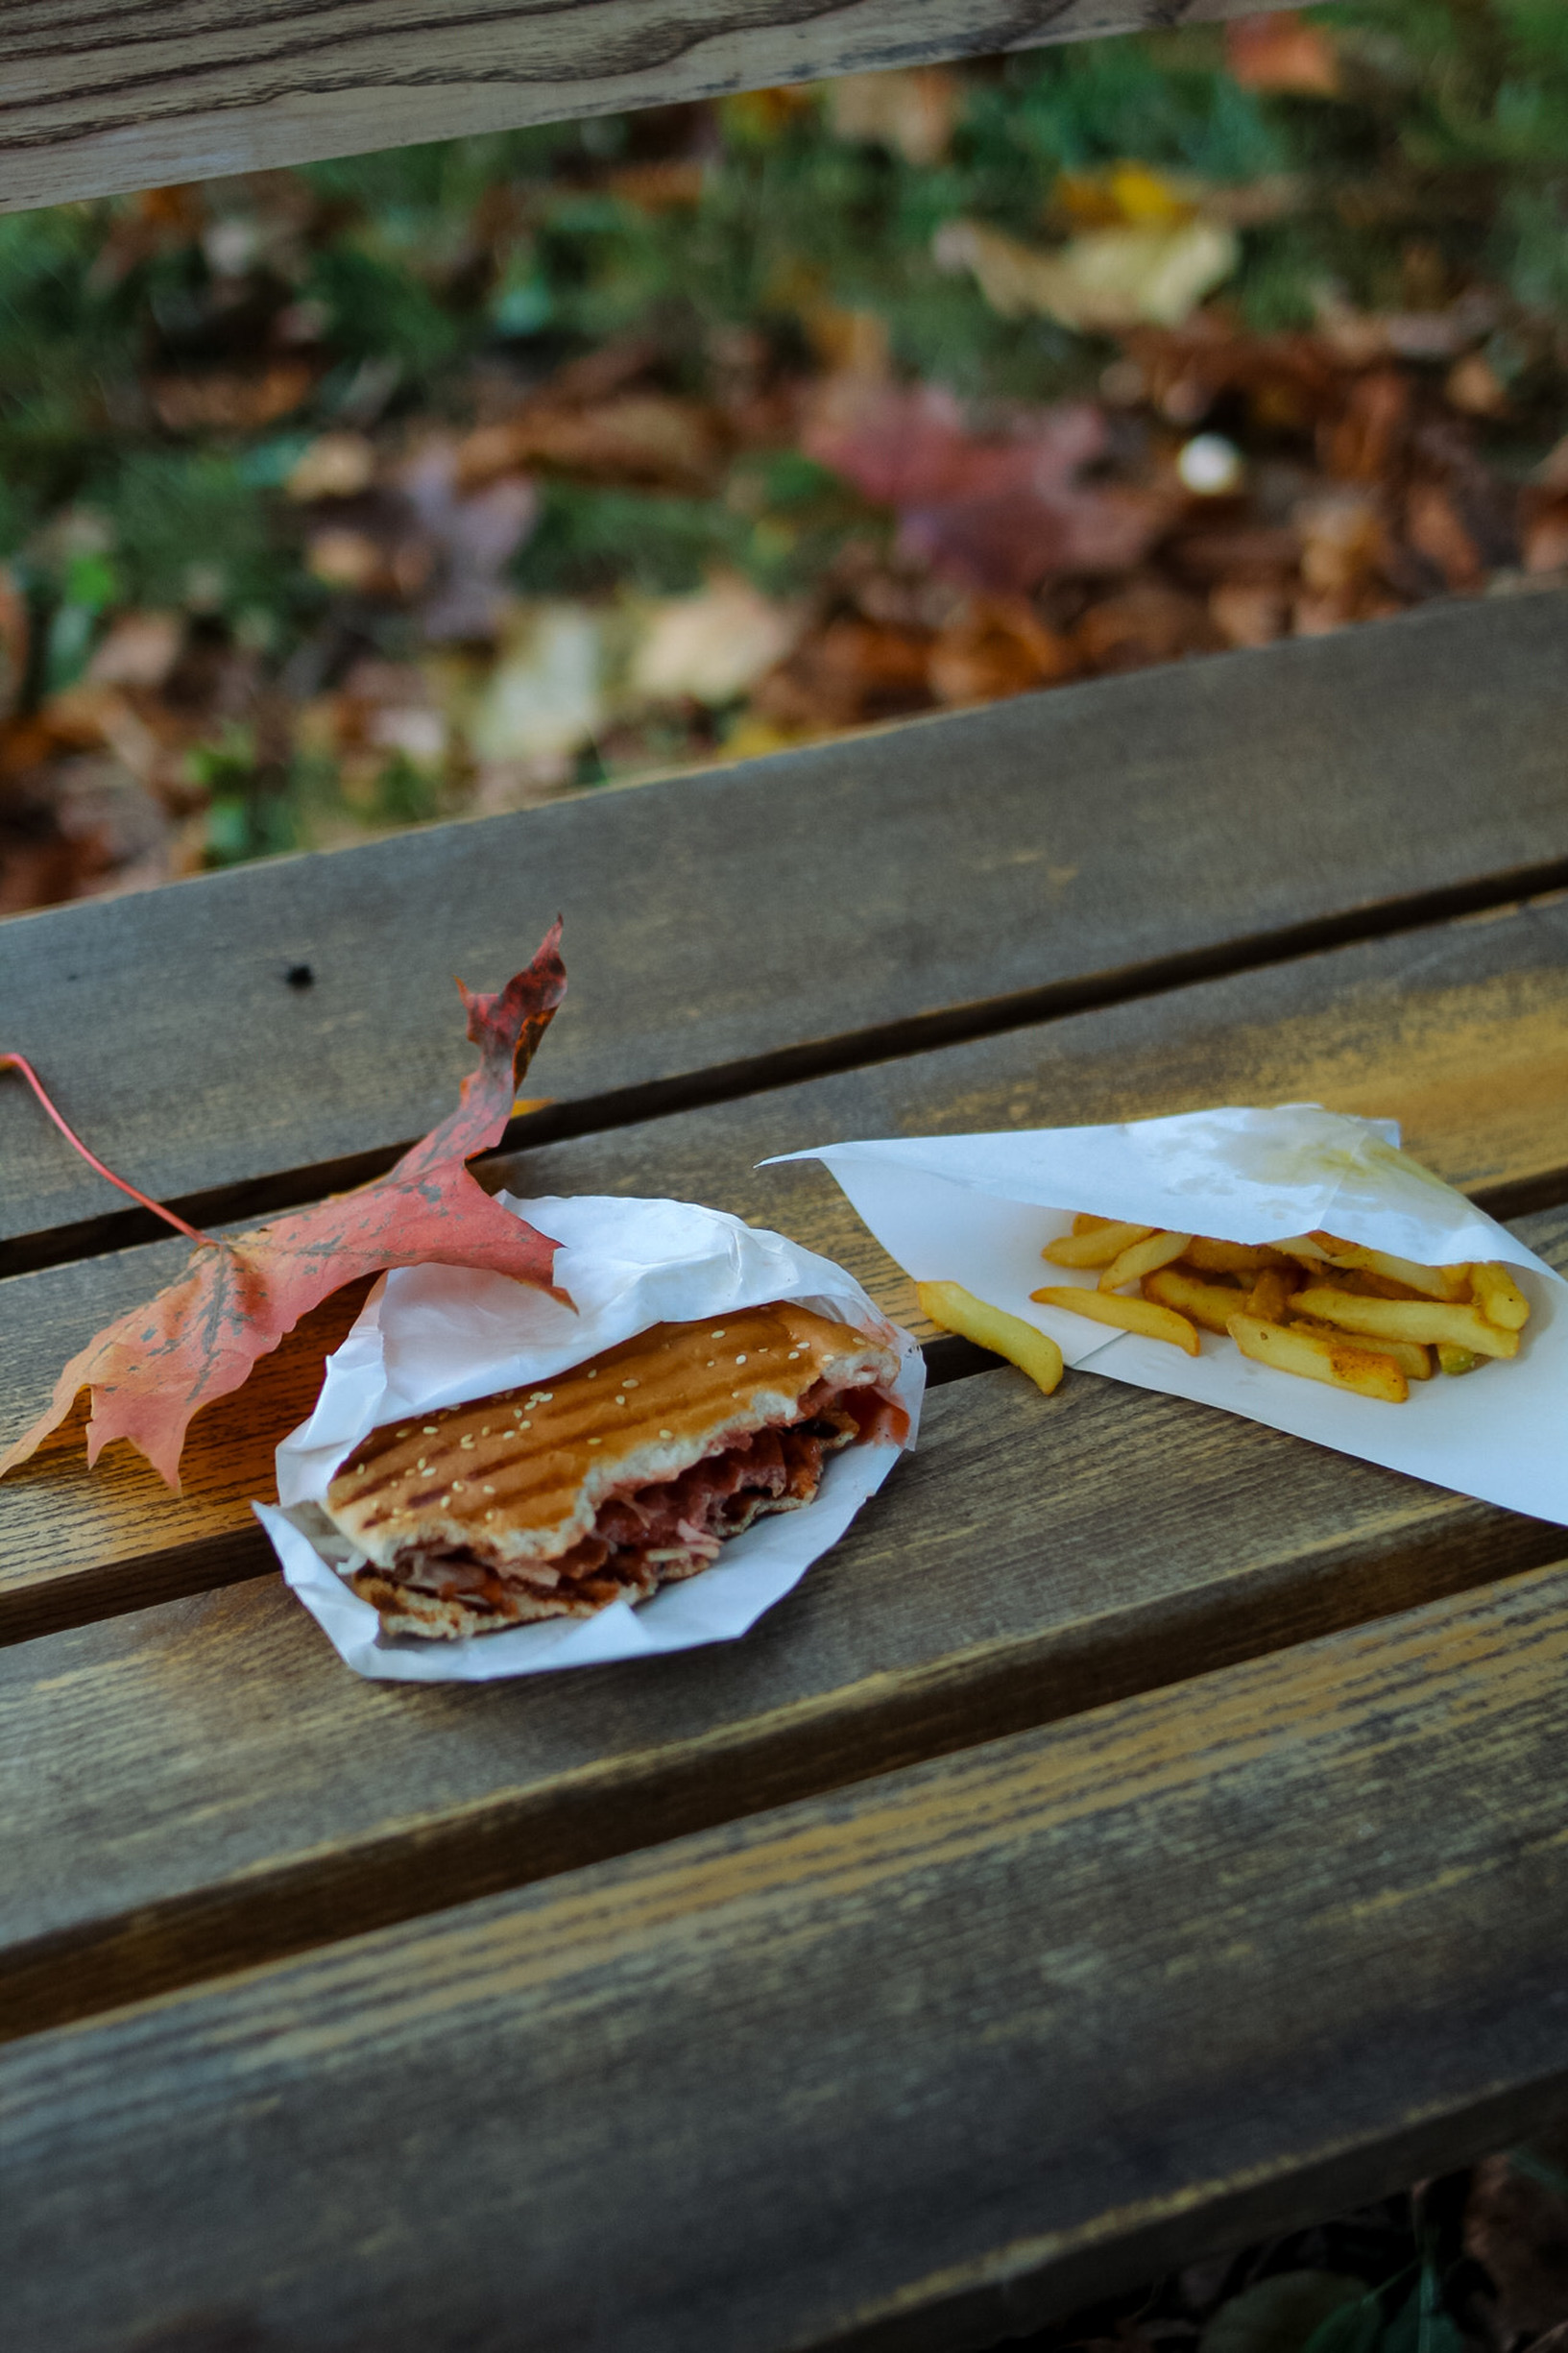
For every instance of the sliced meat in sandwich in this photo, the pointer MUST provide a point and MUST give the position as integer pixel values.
(608, 1480)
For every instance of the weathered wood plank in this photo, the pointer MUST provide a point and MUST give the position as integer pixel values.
(193, 90)
(1460, 1030)
(904, 2067)
(1044, 854)
(202, 1785)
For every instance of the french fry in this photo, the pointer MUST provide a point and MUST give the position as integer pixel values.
(1302, 1250)
(1145, 1316)
(1097, 1248)
(1413, 1359)
(1499, 1297)
(1210, 1304)
(1141, 1258)
(1432, 1282)
(1312, 1304)
(957, 1310)
(1289, 1348)
(1226, 1257)
(1271, 1293)
(1374, 1286)
(1428, 1321)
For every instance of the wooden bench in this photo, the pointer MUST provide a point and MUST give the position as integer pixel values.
(161, 90)
(1140, 1833)
(1102, 1856)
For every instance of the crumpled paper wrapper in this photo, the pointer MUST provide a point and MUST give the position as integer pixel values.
(431, 1335)
(978, 1211)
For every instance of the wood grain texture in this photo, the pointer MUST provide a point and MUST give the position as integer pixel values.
(202, 1785)
(99, 100)
(904, 2067)
(995, 865)
(1461, 1031)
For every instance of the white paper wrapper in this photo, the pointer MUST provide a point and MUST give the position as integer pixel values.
(978, 1209)
(432, 1336)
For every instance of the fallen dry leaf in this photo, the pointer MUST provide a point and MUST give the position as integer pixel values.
(15, 639)
(1145, 622)
(154, 1368)
(659, 187)
(1367, 441)
(713, 647)
(1282, 52)
(646, 440)
(910, 110)
(231, 401)
(1342, 544)
(1545, 531)
(1517, 2227)
(1434, 528)
(545, 696)
(1123, 194)
(1249, 612)
(1474, 386)
(997, 646)
(1002, 513)
(853, 672)
(333, 466)
(138, 650)
(473, 535)
(1102, 282)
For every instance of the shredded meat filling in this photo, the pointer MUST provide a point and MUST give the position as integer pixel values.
(661, 1533)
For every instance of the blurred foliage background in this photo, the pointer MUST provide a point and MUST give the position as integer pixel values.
(449, 479)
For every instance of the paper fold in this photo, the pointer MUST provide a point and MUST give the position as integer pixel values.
(978, 1211)
(432, 1336)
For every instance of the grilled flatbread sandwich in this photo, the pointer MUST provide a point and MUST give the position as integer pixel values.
(604, 1482)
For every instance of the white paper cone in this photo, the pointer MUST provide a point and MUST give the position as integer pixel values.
(978, 1211)
(433, 1335)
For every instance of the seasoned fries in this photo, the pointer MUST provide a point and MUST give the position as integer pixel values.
(1141, 1258)
(1288, 1348)
(957, 1310)
(1228, 1257)
(1425, 1320)
(1499, 1298)
(1313, 1305)
(1433, 1282)
(1271, 1293)
(1154, 1321)
(1210, 1304)
(1097, 1247)
(1414, 1360)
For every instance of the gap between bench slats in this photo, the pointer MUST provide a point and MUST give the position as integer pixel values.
(1462, 1032)
(997, 864)
(904, 2067)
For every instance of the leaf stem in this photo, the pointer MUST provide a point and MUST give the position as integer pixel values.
(20, 1062)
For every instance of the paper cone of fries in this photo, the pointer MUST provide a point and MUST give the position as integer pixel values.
(1292, 1265)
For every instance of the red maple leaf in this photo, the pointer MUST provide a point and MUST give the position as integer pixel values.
(197, 1340)
(1000, 512)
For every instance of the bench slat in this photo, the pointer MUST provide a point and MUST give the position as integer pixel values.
(906, 2066)
(191, 90)
(995, 865)
(204, 1785)
(1461, 1031)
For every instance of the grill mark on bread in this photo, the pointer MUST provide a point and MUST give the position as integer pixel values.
(517, 1536)
(551, 1483)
